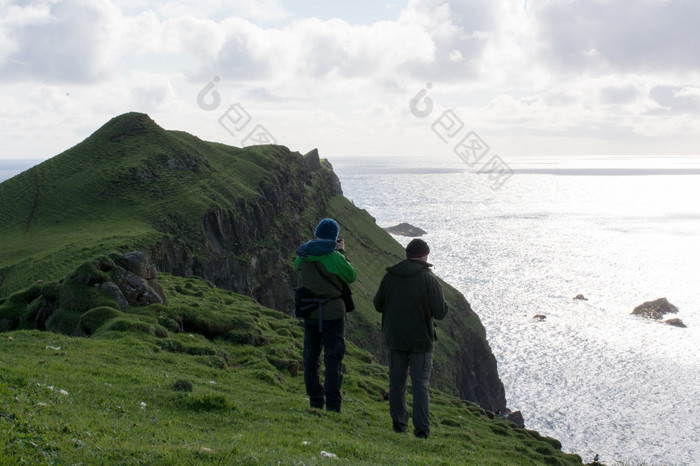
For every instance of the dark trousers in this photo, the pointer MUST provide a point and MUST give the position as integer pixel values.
(331, 339)
(420, 365)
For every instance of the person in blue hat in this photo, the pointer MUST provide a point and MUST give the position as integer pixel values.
(322, 266)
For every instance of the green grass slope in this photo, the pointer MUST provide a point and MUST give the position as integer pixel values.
(212, 378)
(125, 187)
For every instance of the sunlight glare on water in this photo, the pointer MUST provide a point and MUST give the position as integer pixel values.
(597, 378)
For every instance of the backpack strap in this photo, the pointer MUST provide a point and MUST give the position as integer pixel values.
(340, 289)
(317, 302)
(320, 305)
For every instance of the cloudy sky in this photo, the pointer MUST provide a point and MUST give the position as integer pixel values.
(367, 77)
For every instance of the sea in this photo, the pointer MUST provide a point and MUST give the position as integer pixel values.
(524, 237)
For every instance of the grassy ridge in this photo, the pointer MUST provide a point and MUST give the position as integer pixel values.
(178, 397)
(122, 188)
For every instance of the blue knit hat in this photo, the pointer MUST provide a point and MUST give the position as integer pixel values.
(327, 229)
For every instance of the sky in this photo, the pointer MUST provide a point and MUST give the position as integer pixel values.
(367, 78)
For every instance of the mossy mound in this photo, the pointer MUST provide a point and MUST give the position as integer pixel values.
(74, 305)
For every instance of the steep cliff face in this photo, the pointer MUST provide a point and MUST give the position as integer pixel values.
(476, 376)
(246, 247)
(470, 365)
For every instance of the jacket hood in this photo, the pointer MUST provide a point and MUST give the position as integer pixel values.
(408, 267)
(316, 247)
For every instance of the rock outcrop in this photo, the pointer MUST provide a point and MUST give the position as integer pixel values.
(92, 294)
(135, 280)
(515, 417)
(114, 292)
(675, 322)
(655, 309)
(135, 289)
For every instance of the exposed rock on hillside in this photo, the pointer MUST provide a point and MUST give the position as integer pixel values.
(405, 229)
(135, 289)
(114, 292)
(94, 294)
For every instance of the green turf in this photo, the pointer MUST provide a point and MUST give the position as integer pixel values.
(214, 378)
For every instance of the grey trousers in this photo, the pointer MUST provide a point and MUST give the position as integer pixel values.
(419, 365)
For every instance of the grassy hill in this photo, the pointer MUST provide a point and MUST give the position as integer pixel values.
(211, 378)
(232, 216)
(129, 185)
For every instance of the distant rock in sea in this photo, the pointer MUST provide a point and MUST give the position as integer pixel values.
(676, 322)
(580, 297)
(405, 229)
(655, 309)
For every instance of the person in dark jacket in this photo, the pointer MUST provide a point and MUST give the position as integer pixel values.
(409, 298)
(322, 265)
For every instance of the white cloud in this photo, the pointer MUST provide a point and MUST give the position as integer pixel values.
(459, 30)
(248, 51)
(263, 11)
(618, 95)
(676, 99)
(78, 40)
(598, 35)
(195, 36)
(553, 68)
(67, 40)
(369, 52)
(149, 92)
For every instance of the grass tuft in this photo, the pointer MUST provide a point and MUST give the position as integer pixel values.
(209, 402)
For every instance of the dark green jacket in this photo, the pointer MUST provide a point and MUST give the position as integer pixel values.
(336, 268)
(409, 298)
